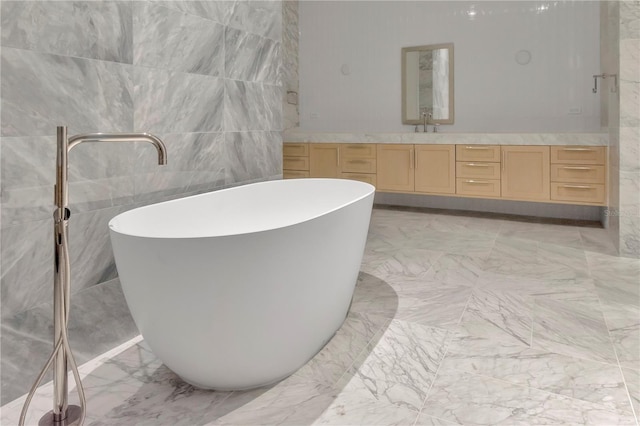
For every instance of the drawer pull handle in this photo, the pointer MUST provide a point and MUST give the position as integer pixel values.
(478, 182)
(477, 165)
(577, 186)
(578, 149)
(484, 148)
(356, 147)
(356, 161)
(577, 168)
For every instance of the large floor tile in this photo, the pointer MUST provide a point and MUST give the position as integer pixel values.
(355, 405)
(559, 374)
(504, 317)
(401, 366)
(573, 329)
(471, 399)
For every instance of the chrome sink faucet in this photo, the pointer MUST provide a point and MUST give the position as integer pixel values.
(426, 118)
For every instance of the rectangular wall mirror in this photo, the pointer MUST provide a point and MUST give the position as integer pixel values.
(427, 83)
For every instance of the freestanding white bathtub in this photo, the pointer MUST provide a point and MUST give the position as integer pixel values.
(240, 287)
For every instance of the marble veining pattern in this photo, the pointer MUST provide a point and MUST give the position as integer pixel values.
(173, 102)
(51, 27)
(252, 106)
(503, 347)
(172, 40)
(41, 91)
(250, 57)
(218, 11)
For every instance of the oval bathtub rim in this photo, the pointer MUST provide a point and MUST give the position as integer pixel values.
(370, 190)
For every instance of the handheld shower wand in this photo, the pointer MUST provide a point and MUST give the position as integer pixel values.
(62, 356)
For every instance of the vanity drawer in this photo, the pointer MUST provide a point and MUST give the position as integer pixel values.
(577, 173)
(490, 153)
(578, 154)
(478, 187)
(294, 174)
(295, 163)
(358, 165)
(362, 177)
(584, 193)
(358, 150)
(295, 149)
(478, 170)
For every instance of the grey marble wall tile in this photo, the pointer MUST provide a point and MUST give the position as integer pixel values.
(90, 248)
(630, 151)
(195, 161)
(88, 195)
(53, 27)
(250, 57)
(630, 236)
(629, 19)
(258, 17)
(42, 91)
(99, 320)
(172, 40)
(27, 162)
(185, 152)
(630, 193)
(25, 342)
(252, 106)
(156, 187)
(290, 42)
(252, 155)
(25, 205)
(172, 102)
(629, 105)
(27, 266)
(218, 10)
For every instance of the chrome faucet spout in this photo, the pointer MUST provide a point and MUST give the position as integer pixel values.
(122, 137)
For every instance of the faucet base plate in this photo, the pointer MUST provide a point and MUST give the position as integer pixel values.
(73, 417)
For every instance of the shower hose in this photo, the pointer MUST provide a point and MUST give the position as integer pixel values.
(62, 341)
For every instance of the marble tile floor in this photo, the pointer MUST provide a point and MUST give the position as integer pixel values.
(456, 319)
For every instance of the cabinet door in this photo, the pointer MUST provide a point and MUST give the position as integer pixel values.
(525, 173)
(324, 160)
(395, 168)
(435, 169)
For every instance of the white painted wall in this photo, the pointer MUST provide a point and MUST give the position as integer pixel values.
(492, 92)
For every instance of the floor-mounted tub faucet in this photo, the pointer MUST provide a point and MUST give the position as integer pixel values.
(61, 357)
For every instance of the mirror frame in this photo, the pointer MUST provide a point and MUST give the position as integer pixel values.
(405, 50)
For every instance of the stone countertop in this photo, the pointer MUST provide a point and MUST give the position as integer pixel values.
(589, 139)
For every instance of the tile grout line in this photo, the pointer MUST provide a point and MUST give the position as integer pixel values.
(435, 376)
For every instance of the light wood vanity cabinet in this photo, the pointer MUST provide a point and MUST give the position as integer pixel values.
(556, 174)
(578, 174)
(478, 170)
(295, 160)
(326, 160)
(435, 169)
(525, 173)
(395, 168)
